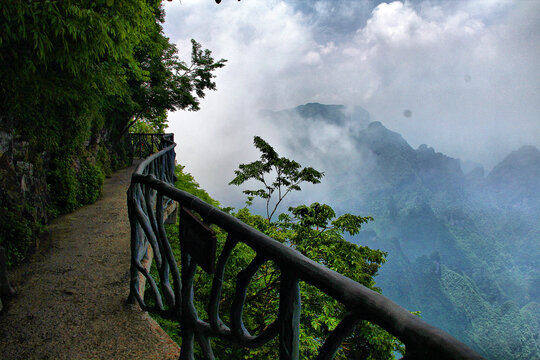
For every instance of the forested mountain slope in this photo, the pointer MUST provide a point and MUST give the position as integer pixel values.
(462, 248)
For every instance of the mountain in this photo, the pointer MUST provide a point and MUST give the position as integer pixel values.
(463, 249)
(333, 114)
(395, 164)
(515, 181)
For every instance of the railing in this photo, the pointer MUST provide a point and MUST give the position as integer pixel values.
(152, 184)
(144, 145)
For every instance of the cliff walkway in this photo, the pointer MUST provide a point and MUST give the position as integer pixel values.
(71, 301)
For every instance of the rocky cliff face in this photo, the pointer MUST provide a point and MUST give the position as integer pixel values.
(36, 185)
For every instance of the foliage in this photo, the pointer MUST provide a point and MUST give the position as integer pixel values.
(288, 176)
(72, 68)
(62, 186)
(316, 232)
(146, 127)
(77, 74)
(62, 58)
(16, 223)
(320, 313)
(90, 179)
(185, 181)
(172, 84)
(73, 184)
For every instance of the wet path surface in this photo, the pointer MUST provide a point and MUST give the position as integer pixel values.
(70, 302)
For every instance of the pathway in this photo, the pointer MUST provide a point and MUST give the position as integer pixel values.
(71, 301)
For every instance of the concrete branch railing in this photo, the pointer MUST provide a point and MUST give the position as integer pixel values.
(152, 186)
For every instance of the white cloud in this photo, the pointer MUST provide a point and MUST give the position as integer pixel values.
(468, 71)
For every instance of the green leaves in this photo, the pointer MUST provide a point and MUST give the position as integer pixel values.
(75, 75)
(312, 231)
(317, 233)
(287, 176)
(315, 215)
(166, 83)
(350, 223)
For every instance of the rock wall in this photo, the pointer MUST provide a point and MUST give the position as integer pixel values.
(20, 179)
(23, 195)
(35, 185)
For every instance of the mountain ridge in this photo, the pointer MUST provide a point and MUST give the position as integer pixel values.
(462, 248)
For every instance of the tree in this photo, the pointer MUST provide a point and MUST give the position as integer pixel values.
(171, 83)
(71, 68)
(75, 74)
(288, 176)
(316, 232)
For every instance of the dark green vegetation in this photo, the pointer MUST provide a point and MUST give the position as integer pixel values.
(463, 248)
(74, 77)
(313, 230)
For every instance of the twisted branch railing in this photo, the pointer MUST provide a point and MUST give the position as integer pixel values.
(152, 186)
(144, 145)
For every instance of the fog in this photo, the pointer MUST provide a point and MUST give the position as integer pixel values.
(462, 77)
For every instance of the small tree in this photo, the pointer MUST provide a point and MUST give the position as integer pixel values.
(288, 176)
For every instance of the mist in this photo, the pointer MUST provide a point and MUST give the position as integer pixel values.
(461, 77)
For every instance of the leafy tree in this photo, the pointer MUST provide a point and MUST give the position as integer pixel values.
(317, 233)
(171, 85)
(288, 176)
(72, 68)
(75, 75)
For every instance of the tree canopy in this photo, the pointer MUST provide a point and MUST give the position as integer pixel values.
(93, 63)
(288, 175)
(316, 232)
(75, 75)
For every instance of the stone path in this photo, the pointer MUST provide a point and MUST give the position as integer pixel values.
(71, 300)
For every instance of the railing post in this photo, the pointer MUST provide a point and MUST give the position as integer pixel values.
(189, 313)
(134, 273)
(289, 313)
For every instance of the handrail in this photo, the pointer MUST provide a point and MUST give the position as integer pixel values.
(149, 187)
(146, 144)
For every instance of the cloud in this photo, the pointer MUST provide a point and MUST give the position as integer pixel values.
(466, 71)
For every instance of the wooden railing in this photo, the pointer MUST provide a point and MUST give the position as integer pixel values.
(144, 145)
(152, 186)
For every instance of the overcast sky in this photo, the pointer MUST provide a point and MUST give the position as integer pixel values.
(468, 72)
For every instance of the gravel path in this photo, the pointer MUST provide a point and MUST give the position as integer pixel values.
(71, 300)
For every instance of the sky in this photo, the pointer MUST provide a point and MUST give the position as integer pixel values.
(460, 76)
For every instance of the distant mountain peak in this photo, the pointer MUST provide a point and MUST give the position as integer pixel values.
(375, 125)
(524, 158)
(354, 116)
(425, 148)
(517, 178)
(315, 108)
(377, 133)
(526, 151)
